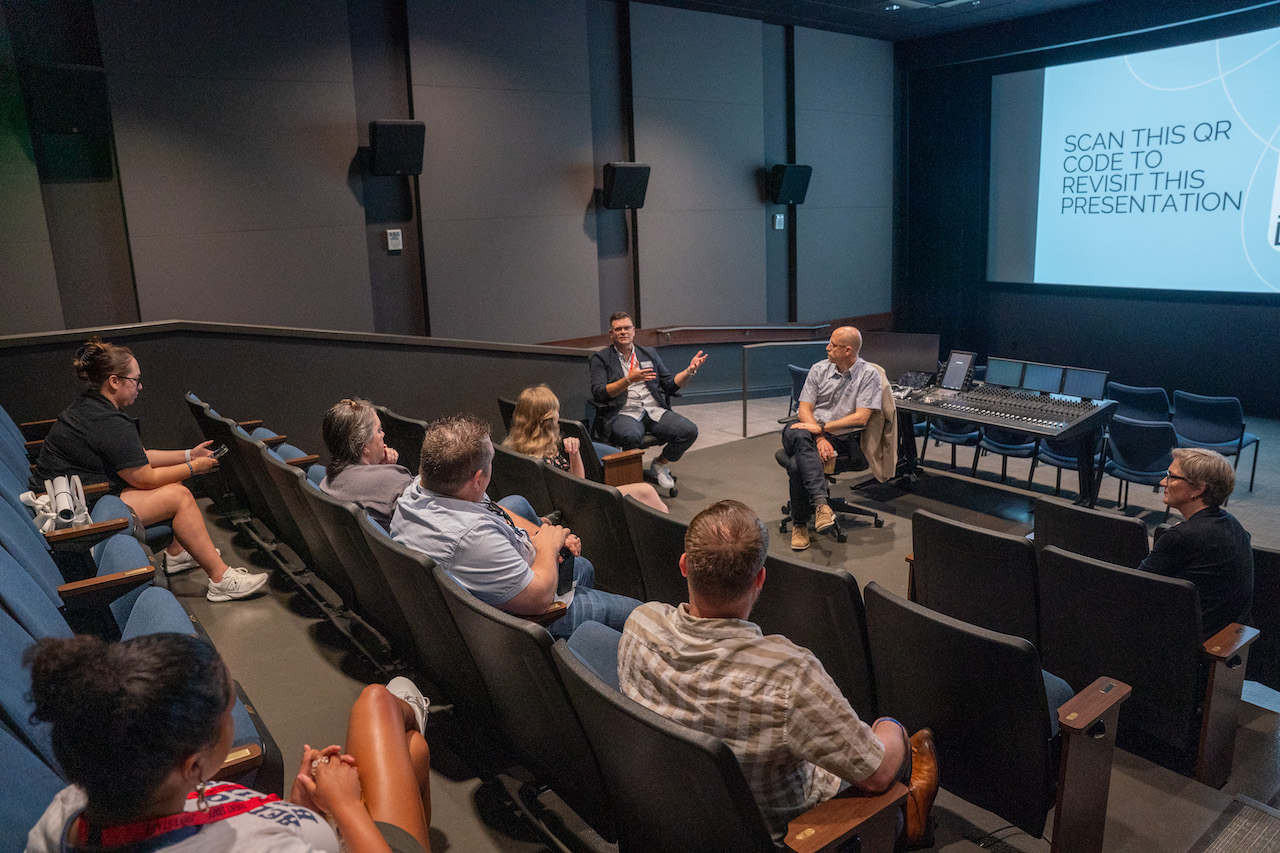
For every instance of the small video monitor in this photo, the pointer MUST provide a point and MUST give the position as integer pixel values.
(1004, 372)
(959, 370)
(1085, 384)
(1042, 377)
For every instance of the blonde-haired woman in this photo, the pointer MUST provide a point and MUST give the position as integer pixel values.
(535, 431)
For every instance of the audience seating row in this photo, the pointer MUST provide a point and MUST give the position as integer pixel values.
(1090, 618)
(499, 670)
(112, 597)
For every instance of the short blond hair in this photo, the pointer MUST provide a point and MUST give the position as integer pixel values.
(1210, 469)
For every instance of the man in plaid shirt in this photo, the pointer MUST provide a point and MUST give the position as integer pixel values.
(704, 665)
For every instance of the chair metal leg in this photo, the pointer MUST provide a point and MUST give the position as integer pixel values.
(1257, 445)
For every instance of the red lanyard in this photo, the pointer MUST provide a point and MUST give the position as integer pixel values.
(129, 833)
(632, 364)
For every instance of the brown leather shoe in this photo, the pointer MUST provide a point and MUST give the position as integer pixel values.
(799, 537)
(922, 791)
(824, 518)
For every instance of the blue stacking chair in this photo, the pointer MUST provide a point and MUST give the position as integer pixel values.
(798, 376)
(1138, 452)
(1005, 443)
(954, 432)
(1139, 402)
(1062, 454)
(1214, 423)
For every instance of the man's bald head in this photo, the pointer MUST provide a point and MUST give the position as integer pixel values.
(844, 346)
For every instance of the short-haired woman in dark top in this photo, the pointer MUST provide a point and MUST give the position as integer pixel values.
(535, 431)
(362, 469)
(94, 439)
(142, 726)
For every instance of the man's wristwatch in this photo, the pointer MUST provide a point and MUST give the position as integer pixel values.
(822, 427)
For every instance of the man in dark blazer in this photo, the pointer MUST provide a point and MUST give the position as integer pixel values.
(631, 385)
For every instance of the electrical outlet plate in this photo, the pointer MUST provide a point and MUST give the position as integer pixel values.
(394, 240)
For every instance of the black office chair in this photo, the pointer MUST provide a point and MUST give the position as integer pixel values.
(977, 575)
(596, 429)
(839, 505)
(507, 411)
(798, 376)
(1095, 533)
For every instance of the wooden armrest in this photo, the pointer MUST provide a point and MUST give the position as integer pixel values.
(274, 440)
(830, 823)
(1081, 711)
(130, 577)
(302, 460)
(34, 430)
(1228, 642)
(911, 577)
(1087, 722)
(1228, 654)
(241, 760)
(33, 445)
(551, 614)
(248, 425)
(98, 529)
(624, 467)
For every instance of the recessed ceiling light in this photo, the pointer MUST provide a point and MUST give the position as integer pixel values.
(892, 7)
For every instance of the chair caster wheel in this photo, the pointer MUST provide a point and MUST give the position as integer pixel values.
(842, 536)
(879, 522)
(674, 492)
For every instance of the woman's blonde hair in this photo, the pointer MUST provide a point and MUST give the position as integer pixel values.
(535, 428)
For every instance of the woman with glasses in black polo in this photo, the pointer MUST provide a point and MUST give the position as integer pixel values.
(94, 439)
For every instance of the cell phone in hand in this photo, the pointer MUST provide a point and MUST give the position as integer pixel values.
(219, 451)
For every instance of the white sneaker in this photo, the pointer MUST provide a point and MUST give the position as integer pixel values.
(182, 563)
(408, 691)
(662, 474)
(235, 583)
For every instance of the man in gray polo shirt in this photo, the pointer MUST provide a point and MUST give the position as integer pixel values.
(838, 398)
(503, 554)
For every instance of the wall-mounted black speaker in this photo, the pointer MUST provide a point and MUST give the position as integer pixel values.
(624, 185)
(396, 146)
(788, 183)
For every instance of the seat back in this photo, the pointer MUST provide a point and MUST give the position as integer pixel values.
(1264, 656)
(1207, 420)
(517, 474)
(592, 467)
(13, 448)
(1139, 403)
(821, 609)
(27, 788)
(981, 692)
(374, 600)
(1139, 450)
(674, 789)
(312, 544)
(404, 435)
(438, 648)
(1143, 629)
(594, 512)
(530, 704)
(975, 575)
(798, 376)
(219, 430)
(266, 503)
(506, 411)
(658, 541)
(1094, 533)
